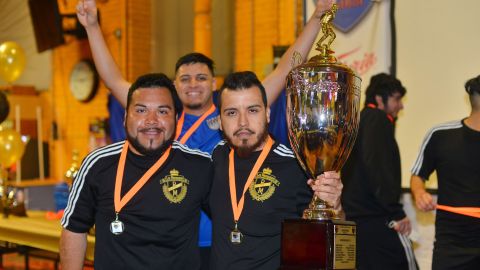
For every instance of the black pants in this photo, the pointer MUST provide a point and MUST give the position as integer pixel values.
(455, 258)
(380, 247)
(205, 257)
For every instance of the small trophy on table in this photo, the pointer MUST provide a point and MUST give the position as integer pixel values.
(323, 99)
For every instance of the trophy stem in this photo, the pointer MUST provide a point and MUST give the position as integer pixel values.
(319, 210)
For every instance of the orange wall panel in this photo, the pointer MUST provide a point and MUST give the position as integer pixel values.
(259, 25)
(128, 37)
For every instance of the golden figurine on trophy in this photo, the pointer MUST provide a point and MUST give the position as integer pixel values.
(323, 99)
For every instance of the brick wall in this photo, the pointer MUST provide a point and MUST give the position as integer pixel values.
(131, 51)
(259, 25)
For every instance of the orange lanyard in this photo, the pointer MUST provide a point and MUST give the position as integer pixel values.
(238, 208)
(373, 106)
(194, 127)
(467, 211)
(120, 202)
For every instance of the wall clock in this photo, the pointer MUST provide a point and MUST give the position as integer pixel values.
(84, 80)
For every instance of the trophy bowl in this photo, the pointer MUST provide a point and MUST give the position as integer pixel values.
(323, 100)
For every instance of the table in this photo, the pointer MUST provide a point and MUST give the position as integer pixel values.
(38, 232)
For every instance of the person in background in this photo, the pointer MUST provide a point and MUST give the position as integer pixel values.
(257, 182)
(198, 126)
(372, 182)
(453, 150)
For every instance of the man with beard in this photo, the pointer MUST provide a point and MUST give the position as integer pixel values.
(372, 181)
(143, 195)
(257, 183)
(198, 126)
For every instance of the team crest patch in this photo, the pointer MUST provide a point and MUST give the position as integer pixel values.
(264, 185)
(213, 123)
(174, 186)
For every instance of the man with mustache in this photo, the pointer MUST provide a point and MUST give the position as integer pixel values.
(143, 195)
(258, 182)
(198, 126)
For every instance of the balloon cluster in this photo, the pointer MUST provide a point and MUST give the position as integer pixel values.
(11, 147)
(12, 61)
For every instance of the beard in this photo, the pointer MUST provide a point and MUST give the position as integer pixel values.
(245, 150)
(149, 151)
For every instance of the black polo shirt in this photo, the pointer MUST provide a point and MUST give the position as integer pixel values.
(279, 191)
(161, 220)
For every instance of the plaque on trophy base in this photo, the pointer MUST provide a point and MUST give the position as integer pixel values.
(318, 244)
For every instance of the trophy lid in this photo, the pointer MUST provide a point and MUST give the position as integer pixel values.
(325, 61)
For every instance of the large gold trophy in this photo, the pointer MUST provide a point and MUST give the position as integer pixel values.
(323, 99)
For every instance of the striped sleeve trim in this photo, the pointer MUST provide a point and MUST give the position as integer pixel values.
(419, 161)
(90, 160)
(186, 149)
(282, 150)
(220, 143)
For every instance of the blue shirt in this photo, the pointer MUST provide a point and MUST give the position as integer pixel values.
(278, 127)
(205, 138)
(207, 135)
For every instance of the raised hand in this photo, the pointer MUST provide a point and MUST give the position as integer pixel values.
(322, 6)
(87, 13)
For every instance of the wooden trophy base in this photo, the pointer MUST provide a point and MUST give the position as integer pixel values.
(318, 244)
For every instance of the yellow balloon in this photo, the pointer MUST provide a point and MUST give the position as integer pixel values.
(11, 147)
(12, 61)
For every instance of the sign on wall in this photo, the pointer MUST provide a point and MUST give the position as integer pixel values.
(363, 32)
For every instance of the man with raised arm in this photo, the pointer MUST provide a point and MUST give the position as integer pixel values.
(194, 81)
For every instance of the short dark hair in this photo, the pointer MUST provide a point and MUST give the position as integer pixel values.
(193, 58)
(472, 86)
(383, 85)
(153, 80)
(241, 80)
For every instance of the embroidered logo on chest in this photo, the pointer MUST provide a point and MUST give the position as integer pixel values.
(213, 123)
(264, 185)
(174, 186)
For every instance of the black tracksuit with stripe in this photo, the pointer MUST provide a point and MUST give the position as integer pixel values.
(453, 150)
(371, 194)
